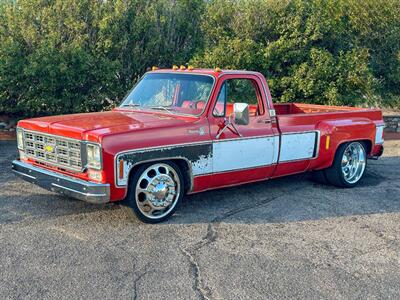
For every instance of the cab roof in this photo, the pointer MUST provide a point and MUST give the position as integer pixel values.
(214, 72)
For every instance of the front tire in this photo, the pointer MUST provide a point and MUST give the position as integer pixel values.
(348, 165)
(155, 191)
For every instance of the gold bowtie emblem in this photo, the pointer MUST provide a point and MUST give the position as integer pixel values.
(49, 148)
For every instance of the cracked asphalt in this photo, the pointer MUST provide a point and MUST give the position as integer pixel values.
(285, 238)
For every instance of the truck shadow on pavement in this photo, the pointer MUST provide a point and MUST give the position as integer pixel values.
(298, 198)
(44, 206)
(288, 199)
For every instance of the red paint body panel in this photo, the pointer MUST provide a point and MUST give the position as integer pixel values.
(129, 129)
(209, 182)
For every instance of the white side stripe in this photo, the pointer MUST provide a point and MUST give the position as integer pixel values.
(236, 154)
(244, 153)
(298, 146)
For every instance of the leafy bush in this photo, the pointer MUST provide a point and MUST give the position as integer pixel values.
(66, 56)
(318, 51)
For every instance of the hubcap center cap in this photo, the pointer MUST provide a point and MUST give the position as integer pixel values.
(160, 191)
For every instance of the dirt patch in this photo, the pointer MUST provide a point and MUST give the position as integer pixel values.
(392, 136)
(390, 112)
(7, 135)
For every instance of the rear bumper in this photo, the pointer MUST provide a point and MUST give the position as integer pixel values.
(70, 186)
(376, 152)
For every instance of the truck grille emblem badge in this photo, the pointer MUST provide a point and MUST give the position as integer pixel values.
(49, 148)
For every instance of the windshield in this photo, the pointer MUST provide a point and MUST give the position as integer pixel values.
(171, 93)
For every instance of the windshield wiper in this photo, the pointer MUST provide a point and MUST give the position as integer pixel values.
(160, 108)
(131, 105)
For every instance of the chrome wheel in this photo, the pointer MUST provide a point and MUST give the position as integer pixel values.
(353, 162)
(157, 191)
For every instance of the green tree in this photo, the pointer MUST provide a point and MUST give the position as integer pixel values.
(318, 51)
(68, 56)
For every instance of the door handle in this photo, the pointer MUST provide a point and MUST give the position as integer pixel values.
(266, 121)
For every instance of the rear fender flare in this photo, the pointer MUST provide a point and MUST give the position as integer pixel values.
(336, 132)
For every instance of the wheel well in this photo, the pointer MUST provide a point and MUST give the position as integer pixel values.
(186, 172)
(181, 163)
(367, 144)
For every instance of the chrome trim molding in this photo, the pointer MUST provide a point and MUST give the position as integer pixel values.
(246, 138)
(70, 186)
(145, 149)
(75, 191)
(316, 145)
(191, 175)
(269, 100)
(24, 175)
(84, 157)
(248, 73)
(162, 159)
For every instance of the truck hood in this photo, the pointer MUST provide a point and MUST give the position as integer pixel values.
(93, 126)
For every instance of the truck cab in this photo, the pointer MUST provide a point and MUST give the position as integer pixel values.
(186, 130)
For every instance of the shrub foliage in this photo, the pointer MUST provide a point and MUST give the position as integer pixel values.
(64, 56)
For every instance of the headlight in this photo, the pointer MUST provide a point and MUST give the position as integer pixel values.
(93, 156)
(20, 139)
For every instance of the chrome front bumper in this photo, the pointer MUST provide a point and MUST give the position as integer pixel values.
(70, 186)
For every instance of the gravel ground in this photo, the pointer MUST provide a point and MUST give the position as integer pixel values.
(286, 238)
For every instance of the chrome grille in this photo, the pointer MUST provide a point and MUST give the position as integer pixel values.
(55, 150)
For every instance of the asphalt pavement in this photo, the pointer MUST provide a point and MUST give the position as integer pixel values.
(284, 238)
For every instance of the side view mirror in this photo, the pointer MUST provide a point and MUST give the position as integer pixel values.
(241, 111)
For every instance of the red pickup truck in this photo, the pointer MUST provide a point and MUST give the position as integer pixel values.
(186, 130)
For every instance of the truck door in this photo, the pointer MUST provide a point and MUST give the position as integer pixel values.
(242, 153)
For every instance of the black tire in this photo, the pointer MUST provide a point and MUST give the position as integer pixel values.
(334, 174)
(319, 176)
(132, 202)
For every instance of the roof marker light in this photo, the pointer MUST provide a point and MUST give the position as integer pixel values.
(153, 68)
(190, 68)
(217, 69)
(175, 67)
(182, 67)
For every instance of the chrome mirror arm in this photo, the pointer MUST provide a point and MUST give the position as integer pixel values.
(236, 130)
(227, 123)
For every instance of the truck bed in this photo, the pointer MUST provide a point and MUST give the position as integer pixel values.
(299, 116)
(301, 108)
